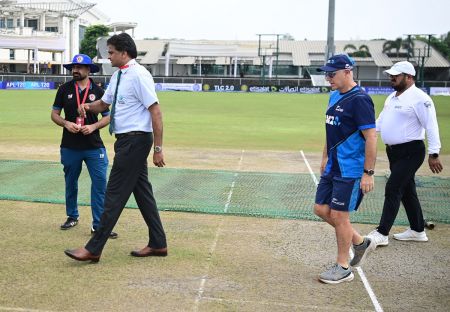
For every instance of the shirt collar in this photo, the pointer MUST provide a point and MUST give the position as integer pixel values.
(125, 67)
(91, 82)
(406, 92)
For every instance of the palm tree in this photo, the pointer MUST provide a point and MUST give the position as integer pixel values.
(361, 51)
(399, 44)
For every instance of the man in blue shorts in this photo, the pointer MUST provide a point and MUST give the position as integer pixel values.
(347, 167)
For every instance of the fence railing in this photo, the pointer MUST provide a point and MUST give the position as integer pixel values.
(209, 80)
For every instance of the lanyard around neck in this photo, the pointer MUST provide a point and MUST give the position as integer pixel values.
(85, 93)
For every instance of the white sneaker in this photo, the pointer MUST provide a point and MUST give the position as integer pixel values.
(411, 235)
(378, 238)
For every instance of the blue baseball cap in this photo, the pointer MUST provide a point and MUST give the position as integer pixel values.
(82, 59)
(337, 62)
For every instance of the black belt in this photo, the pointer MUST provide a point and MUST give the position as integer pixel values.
(401, 145)
(121, 135)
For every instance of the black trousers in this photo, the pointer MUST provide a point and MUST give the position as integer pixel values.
(404, 161)
(129, 174)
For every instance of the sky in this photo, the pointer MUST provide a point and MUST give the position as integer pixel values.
(302, 19)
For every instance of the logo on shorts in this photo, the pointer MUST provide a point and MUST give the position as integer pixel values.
(337, 202)
(102, 156)
(92, 97)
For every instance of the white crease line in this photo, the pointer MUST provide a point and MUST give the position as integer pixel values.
(201, 288)
(313, 176)
(364, 279)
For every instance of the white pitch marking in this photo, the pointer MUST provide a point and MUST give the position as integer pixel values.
(313, 176)
(364, 279)
(201, 288)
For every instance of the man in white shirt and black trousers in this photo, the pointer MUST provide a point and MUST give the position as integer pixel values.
(407, 115)
(136, 120)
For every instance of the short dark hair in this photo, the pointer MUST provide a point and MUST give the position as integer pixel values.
(123, 43)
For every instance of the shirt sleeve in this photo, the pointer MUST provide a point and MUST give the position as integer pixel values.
(108, 96)
(145, 90)
(59, 99)
(364, 112)
(426, 113)
(101, 92)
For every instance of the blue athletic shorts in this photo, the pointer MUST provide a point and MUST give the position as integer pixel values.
(343, 194)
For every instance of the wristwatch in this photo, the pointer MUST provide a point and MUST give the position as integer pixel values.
(434, 155)
(369, 172)
(157, 149)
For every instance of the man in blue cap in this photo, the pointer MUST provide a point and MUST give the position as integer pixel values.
(81, 139)
(347, 166)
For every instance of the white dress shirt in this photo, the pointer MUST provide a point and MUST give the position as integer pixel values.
(135, 95)
(407, 117)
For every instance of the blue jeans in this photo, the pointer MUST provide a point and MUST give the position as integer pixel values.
(96, 161)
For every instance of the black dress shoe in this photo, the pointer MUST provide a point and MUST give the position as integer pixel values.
(112, 235)
(149, 252)
(81, 254)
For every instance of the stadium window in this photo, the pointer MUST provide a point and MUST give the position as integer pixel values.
(286, 70)
(12, 54)
(2, 23)
(9, 23)
(51, 29)
(33, 23)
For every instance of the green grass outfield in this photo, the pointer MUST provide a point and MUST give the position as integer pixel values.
(205, 120)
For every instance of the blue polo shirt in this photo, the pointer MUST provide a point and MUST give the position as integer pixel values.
(347, 115)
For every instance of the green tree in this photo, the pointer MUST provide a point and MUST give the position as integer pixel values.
(441, 44)
(361, 51)
(397, 45)
(89, 42)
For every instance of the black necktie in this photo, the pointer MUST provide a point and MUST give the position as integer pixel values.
(113, 106)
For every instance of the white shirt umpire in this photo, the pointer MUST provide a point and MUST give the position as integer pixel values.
(408, 115)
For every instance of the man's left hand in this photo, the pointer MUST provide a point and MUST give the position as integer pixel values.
(435, 165)
(158, 159)
(367, 183)
(88, 129)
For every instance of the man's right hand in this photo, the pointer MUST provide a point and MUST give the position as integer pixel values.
(72, 127)
(83, 109)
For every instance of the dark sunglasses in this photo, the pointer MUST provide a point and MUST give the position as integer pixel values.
(330, 74)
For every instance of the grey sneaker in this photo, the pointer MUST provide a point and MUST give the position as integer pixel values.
(336, 274)
(361, 251)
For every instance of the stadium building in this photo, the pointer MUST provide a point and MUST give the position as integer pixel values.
(38, 36)
(272, 59)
